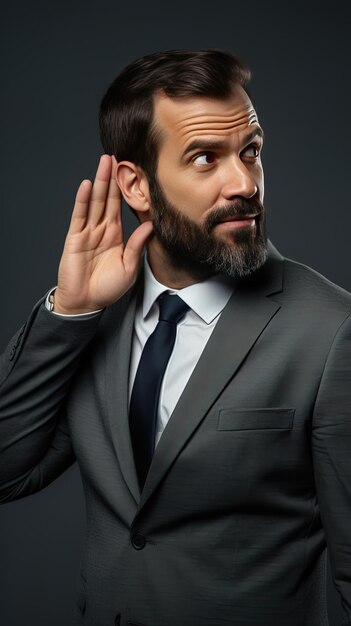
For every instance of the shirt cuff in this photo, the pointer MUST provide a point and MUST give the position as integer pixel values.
(47, 305)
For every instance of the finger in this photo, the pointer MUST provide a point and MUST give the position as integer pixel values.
(113, 210)
(114, 166)
(100, 189)
(135, 245)
(81, 207)
(114, 197)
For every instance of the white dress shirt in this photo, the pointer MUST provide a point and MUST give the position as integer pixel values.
(206, 300)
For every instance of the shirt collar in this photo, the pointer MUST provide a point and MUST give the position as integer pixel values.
(206, 298)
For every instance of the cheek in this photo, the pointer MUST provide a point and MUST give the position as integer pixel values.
(189, 194)
(259, 176)
(260, 185)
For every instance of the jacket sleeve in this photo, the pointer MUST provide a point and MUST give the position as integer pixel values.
(36, 370)
(331, 449)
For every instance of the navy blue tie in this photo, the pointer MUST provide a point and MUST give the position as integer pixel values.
(147, 384)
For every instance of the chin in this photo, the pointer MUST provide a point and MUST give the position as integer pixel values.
(244, 235)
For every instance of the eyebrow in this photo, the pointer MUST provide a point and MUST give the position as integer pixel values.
(210, 144)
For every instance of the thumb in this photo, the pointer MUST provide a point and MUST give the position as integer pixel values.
(135, 245)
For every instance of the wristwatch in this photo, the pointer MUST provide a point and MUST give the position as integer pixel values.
(52, 300)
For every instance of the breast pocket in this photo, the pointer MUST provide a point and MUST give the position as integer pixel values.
(277, 418)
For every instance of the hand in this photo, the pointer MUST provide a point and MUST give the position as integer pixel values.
(96, 268)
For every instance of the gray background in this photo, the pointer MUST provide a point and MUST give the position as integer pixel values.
(57, 60)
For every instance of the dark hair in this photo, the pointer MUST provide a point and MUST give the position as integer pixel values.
(127, 127)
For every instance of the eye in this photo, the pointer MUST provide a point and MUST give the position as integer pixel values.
(206, 158)
(251, 151)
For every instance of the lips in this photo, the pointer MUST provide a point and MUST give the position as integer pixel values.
(239, 214)
(239, 218)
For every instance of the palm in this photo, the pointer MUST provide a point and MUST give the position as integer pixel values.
(96, 267)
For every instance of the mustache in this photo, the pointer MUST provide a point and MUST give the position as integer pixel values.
(238, 208)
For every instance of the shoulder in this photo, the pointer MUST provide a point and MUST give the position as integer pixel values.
(304, 282)
(314, 305)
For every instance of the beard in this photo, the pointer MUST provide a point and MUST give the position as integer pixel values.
(196, 248)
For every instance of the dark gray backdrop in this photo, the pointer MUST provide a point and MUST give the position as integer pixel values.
(56, 63)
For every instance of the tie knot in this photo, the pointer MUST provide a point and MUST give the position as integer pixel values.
(172, 308)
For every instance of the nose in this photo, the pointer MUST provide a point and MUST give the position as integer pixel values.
(239, 181)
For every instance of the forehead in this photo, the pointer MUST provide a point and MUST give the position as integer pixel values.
(183, 119)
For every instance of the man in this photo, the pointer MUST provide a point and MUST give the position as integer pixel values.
(203, 386)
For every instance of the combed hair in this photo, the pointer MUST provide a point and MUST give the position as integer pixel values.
(127, 127)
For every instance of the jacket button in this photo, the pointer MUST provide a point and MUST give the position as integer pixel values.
(12, 353)
(138, 541)
(118, 619)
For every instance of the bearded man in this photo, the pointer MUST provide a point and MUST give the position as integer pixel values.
(199, 378)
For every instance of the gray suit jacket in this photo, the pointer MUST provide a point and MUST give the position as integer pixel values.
(251, 478)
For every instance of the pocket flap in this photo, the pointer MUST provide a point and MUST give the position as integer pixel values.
(247, 419)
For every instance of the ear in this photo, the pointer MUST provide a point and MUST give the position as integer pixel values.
(134, 187)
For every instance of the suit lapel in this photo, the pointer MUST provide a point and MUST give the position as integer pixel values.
(119, 342)
(244, 318)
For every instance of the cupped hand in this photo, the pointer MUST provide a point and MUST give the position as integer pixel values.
(96, 267)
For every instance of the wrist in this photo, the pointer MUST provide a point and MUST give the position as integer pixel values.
(56, 306)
